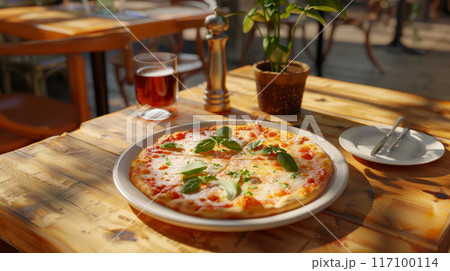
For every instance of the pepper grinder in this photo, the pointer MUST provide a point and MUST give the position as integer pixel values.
(216, 98)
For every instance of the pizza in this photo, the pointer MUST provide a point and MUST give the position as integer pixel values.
(232, 172)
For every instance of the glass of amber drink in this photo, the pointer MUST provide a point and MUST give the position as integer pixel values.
(156, 84)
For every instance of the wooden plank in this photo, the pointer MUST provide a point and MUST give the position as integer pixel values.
(49, 206)
(110, 132)
(37, 23)
(296, 238)
(7, 248)
(369, 104)
(372, 187)
(59, 193)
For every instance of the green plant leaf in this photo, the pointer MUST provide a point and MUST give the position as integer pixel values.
(207, 179)
(191, 186)
(285, 15)
(258, 16)
(270, 12)
(232, 145)
(290, 7)
(235, 175)
(328, 5)
(298, 10)
(287, 12)
(224, 132)
(267, 44)
(325, 8)
(245, 175)
(171, 145)
(275, 18)
(255, 144)
(205, 145)
(188, 177)
(280, 55)
(266, 150)
(270, 44)
(247, 24)
(232, 189)
(194, 167)
(287, 161)
(315, 15)
(218, 139)
(270, 3)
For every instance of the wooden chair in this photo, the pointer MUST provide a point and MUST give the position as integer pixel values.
(33, 69)
(25, 118)
(188, 63)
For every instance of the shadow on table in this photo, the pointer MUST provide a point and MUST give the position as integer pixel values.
(307, 235)
(342, 219)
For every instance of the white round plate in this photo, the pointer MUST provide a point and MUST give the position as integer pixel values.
(141, 202)
(414, 148)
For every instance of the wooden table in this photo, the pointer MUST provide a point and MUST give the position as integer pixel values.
(53, 22)
(58, 194)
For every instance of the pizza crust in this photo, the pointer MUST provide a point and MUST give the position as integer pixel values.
(268, 190)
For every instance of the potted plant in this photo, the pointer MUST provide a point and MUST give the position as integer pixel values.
(280, 82)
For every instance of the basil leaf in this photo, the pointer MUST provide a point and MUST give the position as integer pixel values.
(245, 174)
(194, 168)
(232, 189)
(287, 161)
(276, 149)
(266, 150)
(255, 144)
(207, 179)
(191, 186)
(224, 132)
(218, 140)
(247, 193)
(205, 145)
(171, 145)
(232, 145)
(189, 177)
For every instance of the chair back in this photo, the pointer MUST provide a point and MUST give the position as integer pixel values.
(73, 47)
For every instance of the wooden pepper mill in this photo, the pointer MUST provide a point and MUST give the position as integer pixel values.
(216, 98)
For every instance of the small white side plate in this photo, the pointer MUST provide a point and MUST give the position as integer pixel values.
(414, 148)
(136, 198)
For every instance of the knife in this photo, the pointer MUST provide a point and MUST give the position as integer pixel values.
(380, 144)
(389, 148)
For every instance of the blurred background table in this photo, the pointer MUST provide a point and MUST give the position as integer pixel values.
(58, 194)
(145, 19)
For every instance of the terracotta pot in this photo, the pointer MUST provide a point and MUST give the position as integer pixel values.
(280, 94)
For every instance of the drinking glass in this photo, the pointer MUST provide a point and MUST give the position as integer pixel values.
(156, 84)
